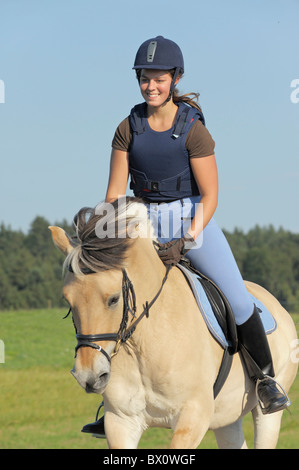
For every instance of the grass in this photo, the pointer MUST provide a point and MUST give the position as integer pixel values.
(42, 406)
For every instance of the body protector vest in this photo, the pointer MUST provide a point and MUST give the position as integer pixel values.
(158, 161)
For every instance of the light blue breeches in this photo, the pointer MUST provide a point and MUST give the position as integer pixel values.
(212, 256)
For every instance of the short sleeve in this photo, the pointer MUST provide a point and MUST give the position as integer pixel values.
(123, 136)
(199, 142)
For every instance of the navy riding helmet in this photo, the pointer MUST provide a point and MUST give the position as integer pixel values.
(161, 54)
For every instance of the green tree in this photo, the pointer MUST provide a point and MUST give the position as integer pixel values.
(31, 266)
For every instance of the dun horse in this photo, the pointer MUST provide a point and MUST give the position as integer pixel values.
(156, 365)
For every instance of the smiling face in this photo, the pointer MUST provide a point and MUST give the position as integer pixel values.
(155, 86)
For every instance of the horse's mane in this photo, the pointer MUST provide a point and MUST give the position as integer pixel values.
(102, 237)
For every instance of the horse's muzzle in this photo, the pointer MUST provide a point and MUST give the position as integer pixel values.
(91, 382)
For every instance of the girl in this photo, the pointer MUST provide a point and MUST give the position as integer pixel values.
(169, 154)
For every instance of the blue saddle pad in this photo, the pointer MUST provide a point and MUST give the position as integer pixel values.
(208, 314)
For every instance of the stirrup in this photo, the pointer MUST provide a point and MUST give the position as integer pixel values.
(99, 409)
(97, 417)
(264, 410)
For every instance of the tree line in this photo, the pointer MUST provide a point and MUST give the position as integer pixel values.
(31, 266)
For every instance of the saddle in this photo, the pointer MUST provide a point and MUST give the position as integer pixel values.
(223, 315)
(219, 317)
(219, 305)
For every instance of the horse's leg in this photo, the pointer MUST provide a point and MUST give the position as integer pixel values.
(231, 436)
(266, 428)
(191, 426)
(122, 433)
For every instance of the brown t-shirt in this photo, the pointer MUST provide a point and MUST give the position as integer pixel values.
(199, 142)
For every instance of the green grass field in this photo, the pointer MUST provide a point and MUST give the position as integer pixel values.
(42, 406)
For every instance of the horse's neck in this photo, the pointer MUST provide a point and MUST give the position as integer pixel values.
(145, 268)
(173, 319)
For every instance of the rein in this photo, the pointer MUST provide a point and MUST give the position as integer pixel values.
(124, 332)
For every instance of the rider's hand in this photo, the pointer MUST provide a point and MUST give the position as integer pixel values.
(172, 252)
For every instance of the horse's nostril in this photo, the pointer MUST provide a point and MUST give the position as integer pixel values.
(89, 387)
(92, 383)
(104, 376)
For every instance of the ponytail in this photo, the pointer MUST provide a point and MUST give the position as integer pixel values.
(189, 98)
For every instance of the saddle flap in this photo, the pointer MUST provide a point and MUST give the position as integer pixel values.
(218, 305)
(216, 309)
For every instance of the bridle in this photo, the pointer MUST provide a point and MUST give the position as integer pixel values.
(125, 331)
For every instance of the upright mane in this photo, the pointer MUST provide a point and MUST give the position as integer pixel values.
(104, 234)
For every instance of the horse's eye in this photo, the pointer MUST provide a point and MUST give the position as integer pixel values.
(113, 300)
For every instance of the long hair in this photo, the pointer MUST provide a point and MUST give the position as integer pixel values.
(189, 98)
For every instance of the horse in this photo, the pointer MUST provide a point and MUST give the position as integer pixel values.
(144, 346)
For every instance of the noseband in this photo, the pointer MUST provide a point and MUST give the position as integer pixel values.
(124, 332)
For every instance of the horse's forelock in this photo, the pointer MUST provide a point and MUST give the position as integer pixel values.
(97, 253)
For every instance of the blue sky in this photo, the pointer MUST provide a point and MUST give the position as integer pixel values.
(67, 70)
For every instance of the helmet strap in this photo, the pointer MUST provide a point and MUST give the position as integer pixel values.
(172, 85)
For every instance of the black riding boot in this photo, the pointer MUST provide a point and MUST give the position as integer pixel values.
(257, 357)
(97, 428)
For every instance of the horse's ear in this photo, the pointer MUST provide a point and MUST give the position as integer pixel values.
(61, 239)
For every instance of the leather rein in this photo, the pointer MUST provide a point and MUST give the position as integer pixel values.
(125, 331)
